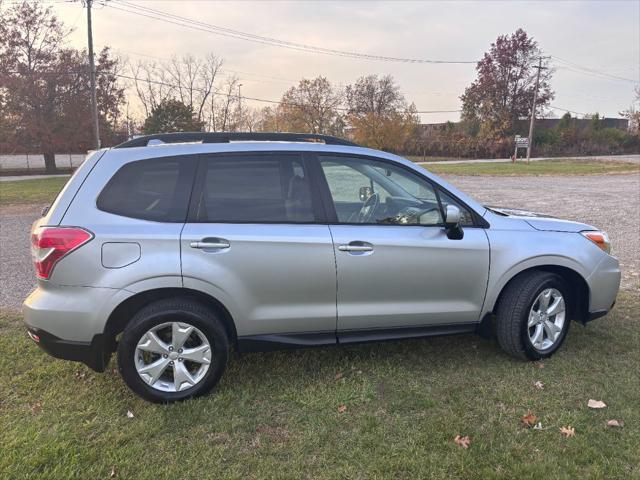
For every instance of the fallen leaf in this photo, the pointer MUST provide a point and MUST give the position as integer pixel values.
(129, 414)
(539, 385)
(219, 438)
(36, 407)
(614, 423)
(529, 420)
(339, 375)
(568, 431)
(342, 408)
(596, 404)
(463, 442)
(112, 473)
(539, 364)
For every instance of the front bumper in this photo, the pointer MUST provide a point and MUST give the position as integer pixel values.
(604, 283)
(597, 314)
(93, 353)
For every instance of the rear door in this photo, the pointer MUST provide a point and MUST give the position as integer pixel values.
(396, 266)
(255, 241)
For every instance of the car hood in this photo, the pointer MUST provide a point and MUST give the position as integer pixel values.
(541, 221)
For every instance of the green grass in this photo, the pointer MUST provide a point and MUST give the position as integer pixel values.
(275, 415)
(41, 190)
(542, 167)
(420, 158)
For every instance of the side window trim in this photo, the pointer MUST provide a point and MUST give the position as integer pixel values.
(321, 188)
(478, 220)
(200, 177)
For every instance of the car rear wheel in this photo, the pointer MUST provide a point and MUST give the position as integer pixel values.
(172, 350)
(532, 316)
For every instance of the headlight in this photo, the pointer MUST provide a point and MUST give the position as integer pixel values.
(601, 239)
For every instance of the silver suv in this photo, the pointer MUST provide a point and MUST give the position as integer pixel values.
(173, 249)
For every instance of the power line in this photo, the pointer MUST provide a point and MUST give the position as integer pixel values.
(237, 34)
(165, 59)
(565, 110)
(569, 65)
(256, 99)
(202, 90)
(189, 23)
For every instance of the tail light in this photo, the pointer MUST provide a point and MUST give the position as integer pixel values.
(50, 244)
(601, 239)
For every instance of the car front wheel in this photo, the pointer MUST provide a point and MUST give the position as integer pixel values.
(532, 316)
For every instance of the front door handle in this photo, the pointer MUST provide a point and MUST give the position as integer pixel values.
(211, 243)
(356, 247)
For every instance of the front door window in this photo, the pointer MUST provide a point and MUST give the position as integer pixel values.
(373, 192)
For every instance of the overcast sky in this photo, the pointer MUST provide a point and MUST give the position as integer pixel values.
(599, 35)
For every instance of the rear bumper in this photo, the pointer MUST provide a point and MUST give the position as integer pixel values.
(70, 321)
(90, 353)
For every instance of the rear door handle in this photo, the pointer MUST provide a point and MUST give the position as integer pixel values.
(356, 247)
(211, 243)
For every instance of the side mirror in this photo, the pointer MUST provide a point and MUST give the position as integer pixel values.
(452, 216)
(364, 193)
(452, 223)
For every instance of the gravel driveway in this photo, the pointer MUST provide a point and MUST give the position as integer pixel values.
(610, 202)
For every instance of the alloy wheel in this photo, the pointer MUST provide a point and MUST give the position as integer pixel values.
(173, 356)
(546, 319)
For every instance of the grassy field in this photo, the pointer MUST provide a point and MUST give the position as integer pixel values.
(542, 167)
(420, 158)
(42, 190)
(278, 415)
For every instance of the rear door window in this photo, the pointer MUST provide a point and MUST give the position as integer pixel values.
(153, 189)
(272, 188)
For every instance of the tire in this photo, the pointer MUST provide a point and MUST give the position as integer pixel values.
(163, 316)
(516, 303)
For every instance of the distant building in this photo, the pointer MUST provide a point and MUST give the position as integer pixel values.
(549, 123)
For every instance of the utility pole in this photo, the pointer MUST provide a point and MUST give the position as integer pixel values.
(92, 79)
(533, 107)
(239, 105)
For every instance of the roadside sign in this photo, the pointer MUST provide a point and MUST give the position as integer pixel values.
(522, 141)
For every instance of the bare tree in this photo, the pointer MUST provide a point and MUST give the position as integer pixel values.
(223, 110)
(633, 113)
(195, 80)
(152, 84)
(189, 79)
(251, 119)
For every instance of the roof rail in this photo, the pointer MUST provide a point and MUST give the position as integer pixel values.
(227, 137)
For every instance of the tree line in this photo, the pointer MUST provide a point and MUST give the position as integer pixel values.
(45, 100)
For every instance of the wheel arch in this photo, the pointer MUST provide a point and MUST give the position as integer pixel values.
(124, 312)
(579, 289)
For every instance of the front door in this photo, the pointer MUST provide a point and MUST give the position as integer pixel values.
(396, 266)
(253, 242)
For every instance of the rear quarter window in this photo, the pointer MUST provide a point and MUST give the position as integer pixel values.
(152, 189)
